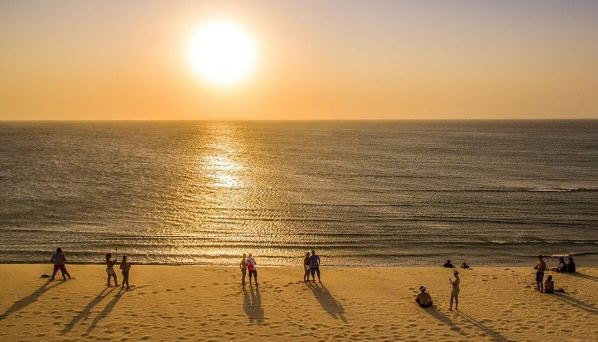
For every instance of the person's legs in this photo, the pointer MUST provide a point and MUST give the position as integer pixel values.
(64, 272)
(255, 276)
(313, 274)
(452, 296)
(306, 276)
(56, 268)
(243, 274)
(457, 301)
(115, 279)
(318, 273)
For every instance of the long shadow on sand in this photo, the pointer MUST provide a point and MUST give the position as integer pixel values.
(84, 314)
(252, 305)
(433, 311)
(576, 302)
(585, 276)
(327, 301)
(106, 311)
(494, 335)
(24, 302)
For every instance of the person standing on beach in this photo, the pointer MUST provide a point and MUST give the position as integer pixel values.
(314, 266)
(455, 291)
(243, 267)
(125, 266)
(59, 261)
(306, 266)
(110, 269)
(540, 268)
(251, 268)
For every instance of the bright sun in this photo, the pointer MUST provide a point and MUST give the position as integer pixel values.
(222, 53)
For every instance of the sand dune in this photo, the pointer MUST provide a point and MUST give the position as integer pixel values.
(209, 304)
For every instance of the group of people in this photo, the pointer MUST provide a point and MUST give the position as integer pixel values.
(311, 264)
(548, 285)
(448, 264)
(424, 299)
(59, 261)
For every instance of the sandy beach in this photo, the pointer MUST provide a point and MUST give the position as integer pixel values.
(208, 303)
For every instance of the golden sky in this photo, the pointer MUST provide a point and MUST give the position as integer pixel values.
(81, 60)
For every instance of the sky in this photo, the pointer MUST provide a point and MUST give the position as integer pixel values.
(128, 60)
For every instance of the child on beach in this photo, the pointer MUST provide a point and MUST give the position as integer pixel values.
(251, 268)
(455, 291)
(540, 268)
(59, 261)
(110, 269)
(243, 267)
(125, 266)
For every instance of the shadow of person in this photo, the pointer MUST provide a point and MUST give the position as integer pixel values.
(328, 302)
(494, 335)
(84, 314)
(583, 275)
(433, 311)
(576, 302)
(24, 302)
(106, 311)
(252, 305)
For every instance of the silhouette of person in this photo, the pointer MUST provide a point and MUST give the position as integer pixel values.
(59, 261)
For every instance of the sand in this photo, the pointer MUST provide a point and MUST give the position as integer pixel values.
(208, 303)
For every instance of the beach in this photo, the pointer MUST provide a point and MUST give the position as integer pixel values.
(208, 303)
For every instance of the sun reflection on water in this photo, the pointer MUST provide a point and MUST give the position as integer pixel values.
(223, 163)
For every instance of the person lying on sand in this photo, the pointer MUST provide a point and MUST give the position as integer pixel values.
(423, 298)
(110, 269)
(448, 264)
(465, 265)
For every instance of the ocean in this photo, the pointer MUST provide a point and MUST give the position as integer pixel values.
(361, 193)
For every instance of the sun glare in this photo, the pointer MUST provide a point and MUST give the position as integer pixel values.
(222, 53)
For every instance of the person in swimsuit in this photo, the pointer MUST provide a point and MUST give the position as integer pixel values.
(314, 266)
(59, 261)
(455, 291)
(306, 266)
(252, 269)
(540, 268)
(243, 268)
(110, 269)
(125, 266)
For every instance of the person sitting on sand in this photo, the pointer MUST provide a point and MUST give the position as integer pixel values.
(465, 265)
(448, 264)
(455, 290)
(59, 261)
(314, 266)
(540, 268)
(570, 265)
(243, 267)
(252, 269)
(549, 285)
(110, 269)
(562, 267)
(423, 297)
(125, 266)
(306, 266)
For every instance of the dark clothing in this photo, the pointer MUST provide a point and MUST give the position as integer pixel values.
(539, 276)
(571, 267)
(314, 261)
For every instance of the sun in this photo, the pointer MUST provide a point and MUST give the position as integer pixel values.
(222, 53)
